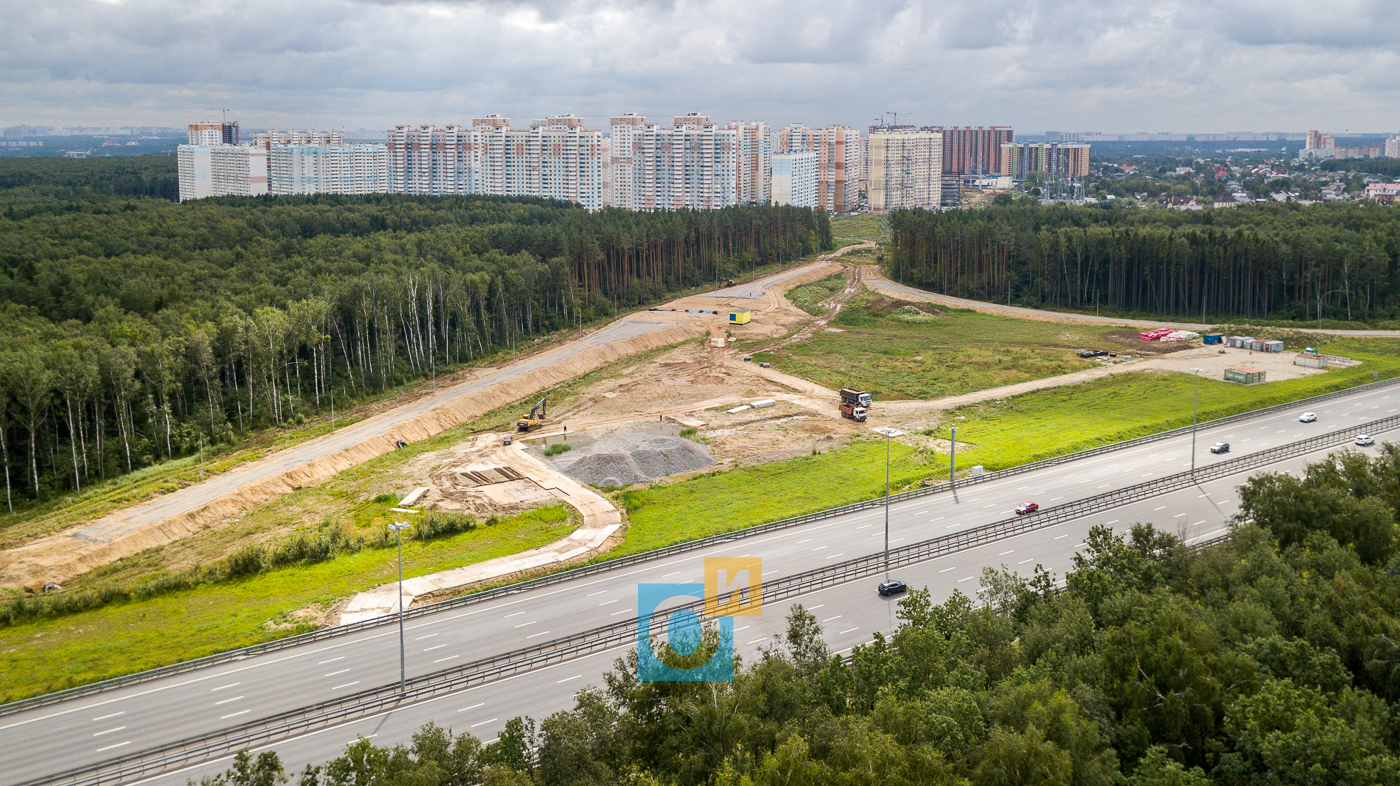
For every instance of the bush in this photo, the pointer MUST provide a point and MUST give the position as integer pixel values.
(385, 498)
(440, 524)
(246, 561)
(557, 448)
(687, 433)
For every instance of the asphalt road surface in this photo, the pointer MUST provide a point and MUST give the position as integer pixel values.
(98, 727)
(759, 288)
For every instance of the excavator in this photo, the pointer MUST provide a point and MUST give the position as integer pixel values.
(535, 419)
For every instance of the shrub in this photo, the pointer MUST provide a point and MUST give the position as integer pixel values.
(439, 524)
(557, 448)
(384, 498)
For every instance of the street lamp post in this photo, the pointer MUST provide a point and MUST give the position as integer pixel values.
(953, 459)
(1195, 389)
(1319, 305)
(888, 433)
(398, 527)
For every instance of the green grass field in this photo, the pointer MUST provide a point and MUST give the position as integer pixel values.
(808, 297)
(896, 351)
(848, 230)
(51, 654)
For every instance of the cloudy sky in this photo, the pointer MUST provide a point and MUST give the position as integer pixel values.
(1109, 65)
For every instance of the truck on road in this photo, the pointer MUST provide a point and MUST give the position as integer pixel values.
(857, 398)
(853, 411)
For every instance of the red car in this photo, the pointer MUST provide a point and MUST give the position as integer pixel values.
(1027, 507)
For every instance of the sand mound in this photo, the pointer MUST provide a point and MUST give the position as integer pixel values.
(636, 458)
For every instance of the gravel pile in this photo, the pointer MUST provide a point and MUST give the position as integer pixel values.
(635, 458)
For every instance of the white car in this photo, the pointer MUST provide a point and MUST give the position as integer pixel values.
(1364, 439)
(1307, 417)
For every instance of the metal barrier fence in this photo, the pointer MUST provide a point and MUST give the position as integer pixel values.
(368, 702)
(612, 564)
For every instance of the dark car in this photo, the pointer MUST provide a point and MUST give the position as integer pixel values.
(892, 587)
(1093, 353)
(1027, 507)
(1220, 447)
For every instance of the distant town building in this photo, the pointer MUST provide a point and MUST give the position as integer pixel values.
(973, 151)
(1019, 159)
(795, 179)
(221, 170)
(693, 164)
(1383, 192)
(433, 161)
(1392, 147)
(905, 169)
(329, 169)
(839, 158)
(268, 139)
(753, 157)
(213, 133)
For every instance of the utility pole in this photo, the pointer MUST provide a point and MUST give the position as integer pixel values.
(201, 458)
(1195, 390)
(953, 459)
(888, 433)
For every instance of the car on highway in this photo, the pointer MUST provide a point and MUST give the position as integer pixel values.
(1364, 439)
(892, 587)
(1027, 507)
(1307, 417)
(1220, 447)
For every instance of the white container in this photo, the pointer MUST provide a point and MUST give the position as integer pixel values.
(738, 409)
(761, 403)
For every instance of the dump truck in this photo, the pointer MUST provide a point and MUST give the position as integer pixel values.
(853, 411)
(855, 397)
(533, 420)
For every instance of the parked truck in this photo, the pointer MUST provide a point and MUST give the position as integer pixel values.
(853, 411)
(857, 398)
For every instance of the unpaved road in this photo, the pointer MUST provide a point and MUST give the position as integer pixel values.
(875, 280)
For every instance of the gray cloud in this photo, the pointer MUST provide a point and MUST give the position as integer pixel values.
(1076, 64)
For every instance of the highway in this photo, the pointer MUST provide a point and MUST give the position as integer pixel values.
(98, 727)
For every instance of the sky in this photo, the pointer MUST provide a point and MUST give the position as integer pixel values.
(1067, 65)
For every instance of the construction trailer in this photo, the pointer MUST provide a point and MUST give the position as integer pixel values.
(1240, 342)
(1244, 376)
(1214, 338)
(1272, 345)
(740, 317)
(1310, 360)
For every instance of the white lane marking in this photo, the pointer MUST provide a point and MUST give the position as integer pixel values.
(113, 715)
(109, 731)
(675, 573)
(950, 526)
(523, 624)
(805, 540)
(1052, 499)
(346, 685)
(755, 641)
(863, 526)
(945, 570)
(1164, 507)
(608, 602)
(589, 595)
(1179, 515)
(969, 578)
(1150, 474)
(1196, 523)
(1115, 521)
(1081, 545)
(746, 627)
(118, 745)
(234, 714)
(332, 660)
(834, 556)
(226, 701)
(814, 608)
(221, 687)
(436, 647)
(988, 505)
(1106, 485)
(332, 674)
(566, 679)
(365, 737)
(829, 619)
(940, 518)
(513, 614)
(848, 630)
(1024, 561)
(483, 723)
(896, 540)
(536, 635)
(446, 659)
(474, 706)
(1057, 537)
(615, 613)
(819, 548)
(1004, 553)
(420, 638)
(975, 499)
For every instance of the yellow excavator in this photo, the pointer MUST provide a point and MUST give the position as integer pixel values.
(533, 420)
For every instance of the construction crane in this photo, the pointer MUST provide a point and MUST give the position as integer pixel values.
(535, 419)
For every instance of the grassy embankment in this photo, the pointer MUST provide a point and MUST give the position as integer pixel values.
(51, 654)
(1025, 428)
(849, 230)
(900, 350)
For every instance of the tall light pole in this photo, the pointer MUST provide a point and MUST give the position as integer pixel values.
(1319, 305)
(953, 459)
(1195, 389)
(398, 527)
(888, 432)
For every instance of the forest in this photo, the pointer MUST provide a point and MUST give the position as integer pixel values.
(136, 329)
(1271, 659)
(1340, 262)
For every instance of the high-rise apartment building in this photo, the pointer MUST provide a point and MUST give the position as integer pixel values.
(972, 151)
(905, 169)
(1392, 147)
(693, 164)
(213, 133)
(434, 161)
(754, 157)
(221, 170)
(795, 179)
(839, 158)
(269, 139)
(1019, 159)
(329, 169)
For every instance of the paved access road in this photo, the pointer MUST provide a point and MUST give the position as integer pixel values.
(759, 288)
(95, 728)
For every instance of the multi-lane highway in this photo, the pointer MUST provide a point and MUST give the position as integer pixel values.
(94, 728)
